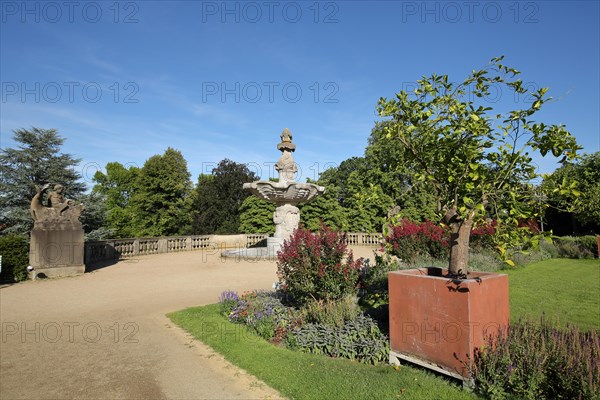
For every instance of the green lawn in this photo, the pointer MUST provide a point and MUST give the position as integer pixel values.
(563, 289)
(306, 376)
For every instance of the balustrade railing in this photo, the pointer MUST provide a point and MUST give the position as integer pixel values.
(114, 249)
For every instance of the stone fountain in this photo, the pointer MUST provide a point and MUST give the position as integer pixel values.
(286, 193)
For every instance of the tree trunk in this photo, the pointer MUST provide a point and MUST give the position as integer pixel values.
(459, 246)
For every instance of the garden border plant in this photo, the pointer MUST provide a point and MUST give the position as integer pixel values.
(315, 309)
(539, 360)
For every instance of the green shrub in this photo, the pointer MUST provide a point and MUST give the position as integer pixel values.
(317, 266)
(544, 251)
(374, 280)
(485, 260)
(14, 250)
(529, 257)
(590, 243)
(331, 313)
(539, 361)
(569, 249)
(549, 248)
(577, 247)
(358, 339)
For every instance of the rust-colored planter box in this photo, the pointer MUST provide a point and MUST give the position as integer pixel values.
(437, 322)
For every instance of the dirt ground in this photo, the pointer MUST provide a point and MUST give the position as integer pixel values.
(104, 335)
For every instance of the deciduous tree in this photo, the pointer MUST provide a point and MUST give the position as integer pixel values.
(470, 155)
(256, 216)
(218, 197)
(569, 214)
(161, 199)
(324, 210)
(117, 187)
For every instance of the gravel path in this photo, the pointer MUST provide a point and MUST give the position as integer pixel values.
(104, 335)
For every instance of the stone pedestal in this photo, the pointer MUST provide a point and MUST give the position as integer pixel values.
(286, 218)
(274, 244)
(56, 249)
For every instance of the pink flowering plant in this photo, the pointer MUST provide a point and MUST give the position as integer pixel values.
(317, 266)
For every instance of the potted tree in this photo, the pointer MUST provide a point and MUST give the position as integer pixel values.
(477, 161)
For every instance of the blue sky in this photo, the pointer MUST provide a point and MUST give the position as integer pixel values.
(124, 81)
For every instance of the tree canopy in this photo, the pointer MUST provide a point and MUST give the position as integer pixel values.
(256, 216)
(470, 155)
(218, 198)
(161, 200)
(116, 187)
(36, 160)
(576, 210)
(325, 210)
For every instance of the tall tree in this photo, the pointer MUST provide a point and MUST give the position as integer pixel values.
(324, 210)
(94, 217)
(388, 166)
(568, 214)
(35, 161)
(256, 216)
(367, 204)
(161, 200)
(370, 186)
(472, 156)
(338, 176)
(116, 187)
(218, 197)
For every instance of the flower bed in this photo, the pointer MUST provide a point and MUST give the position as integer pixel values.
(535, 361)
(315, 309)
(357, 337)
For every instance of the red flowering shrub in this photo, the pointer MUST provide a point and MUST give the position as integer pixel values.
(533, 226)
(482, 236)
(317, 266)
(409, 240)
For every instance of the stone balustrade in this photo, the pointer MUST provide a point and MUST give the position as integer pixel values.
(364, 239)
(114, 249)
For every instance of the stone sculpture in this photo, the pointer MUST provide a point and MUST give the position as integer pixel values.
(60, 209)
(56, 246)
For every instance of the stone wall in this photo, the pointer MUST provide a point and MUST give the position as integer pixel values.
(114, 249)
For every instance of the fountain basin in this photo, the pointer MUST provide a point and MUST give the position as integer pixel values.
(280, 193)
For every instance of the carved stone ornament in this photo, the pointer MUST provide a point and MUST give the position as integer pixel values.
(59, 208)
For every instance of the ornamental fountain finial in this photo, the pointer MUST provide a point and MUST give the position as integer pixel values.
(286, 167)
(286, 141)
